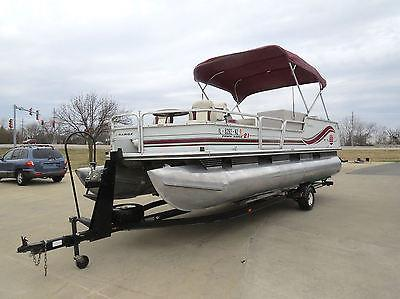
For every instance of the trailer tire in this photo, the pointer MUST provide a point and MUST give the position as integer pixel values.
(127, 214)
(306, 199)
(81, 261)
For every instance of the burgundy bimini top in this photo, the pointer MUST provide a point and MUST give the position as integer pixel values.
(245, 73)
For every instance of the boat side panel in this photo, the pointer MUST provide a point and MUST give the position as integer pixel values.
(225, 137)
(321, 133)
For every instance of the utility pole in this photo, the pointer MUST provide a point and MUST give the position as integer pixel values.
(15, 126)
(22, 129)
(352, 128)
(54, 126)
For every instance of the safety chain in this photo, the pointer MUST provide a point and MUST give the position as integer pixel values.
(36, 261)
(36, 258)
(45, 259)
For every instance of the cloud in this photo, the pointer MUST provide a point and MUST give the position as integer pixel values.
(143, 52)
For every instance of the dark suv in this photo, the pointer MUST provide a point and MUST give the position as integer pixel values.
(32, 161)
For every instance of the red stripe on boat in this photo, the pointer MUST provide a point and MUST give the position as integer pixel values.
(319, 136)
(197, 140)
(205, 141)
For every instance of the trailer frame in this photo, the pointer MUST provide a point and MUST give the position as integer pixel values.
(108, 218)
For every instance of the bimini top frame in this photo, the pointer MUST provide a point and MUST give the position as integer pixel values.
(266, 68)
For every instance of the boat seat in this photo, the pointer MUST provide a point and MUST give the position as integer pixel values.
(201, 116)
(207, 116)
(219, 116)
(161, 120)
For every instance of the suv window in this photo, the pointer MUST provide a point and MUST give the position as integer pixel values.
(8, 155)
(17, 154)
(24, 154)
(20, 153)
(45, 153)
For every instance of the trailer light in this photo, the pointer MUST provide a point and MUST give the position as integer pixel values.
(29, 164)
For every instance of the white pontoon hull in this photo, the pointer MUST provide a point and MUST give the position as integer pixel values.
(193, 187)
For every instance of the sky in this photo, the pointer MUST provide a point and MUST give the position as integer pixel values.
(142, 53)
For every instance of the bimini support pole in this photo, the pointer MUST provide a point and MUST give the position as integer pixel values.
(293, 115)
(315, 99)
(236, 97)
(208, 81)
(323, 104)
(292, 68)
(202, 91)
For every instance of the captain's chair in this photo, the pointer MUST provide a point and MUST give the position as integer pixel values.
(211, 116)
(201, 116)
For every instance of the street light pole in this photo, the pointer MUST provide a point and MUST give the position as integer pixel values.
(30, 111)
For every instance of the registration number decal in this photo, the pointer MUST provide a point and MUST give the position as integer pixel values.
(233, 132)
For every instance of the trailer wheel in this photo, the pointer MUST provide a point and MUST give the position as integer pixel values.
(127, 214)
(81, 261)
(306, 198)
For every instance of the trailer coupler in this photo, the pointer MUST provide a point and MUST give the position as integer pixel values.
(36, 249)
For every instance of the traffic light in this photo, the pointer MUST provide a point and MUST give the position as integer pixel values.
(10, 123)
(42, 122)
(30, 111)
(37, 114)
(53, 124)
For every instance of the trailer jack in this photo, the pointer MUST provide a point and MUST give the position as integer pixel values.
(73, 240)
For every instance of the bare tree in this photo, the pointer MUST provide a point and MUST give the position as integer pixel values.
(89, 113)
(53, 130)
(394, 136)
(381, 135)
(35, 131)
(355, 131)
(43, 133)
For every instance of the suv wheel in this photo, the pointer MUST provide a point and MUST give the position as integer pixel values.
(57, 179)
(21, 178)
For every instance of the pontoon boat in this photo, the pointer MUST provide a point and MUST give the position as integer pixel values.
(209, 155)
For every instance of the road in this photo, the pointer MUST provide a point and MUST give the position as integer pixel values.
(348, 246)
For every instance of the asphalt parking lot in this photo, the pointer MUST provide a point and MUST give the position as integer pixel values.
(348, 246)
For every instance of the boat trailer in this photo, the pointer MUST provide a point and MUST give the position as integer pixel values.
(108, 218)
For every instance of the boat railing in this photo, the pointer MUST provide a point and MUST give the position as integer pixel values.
(121, 121)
